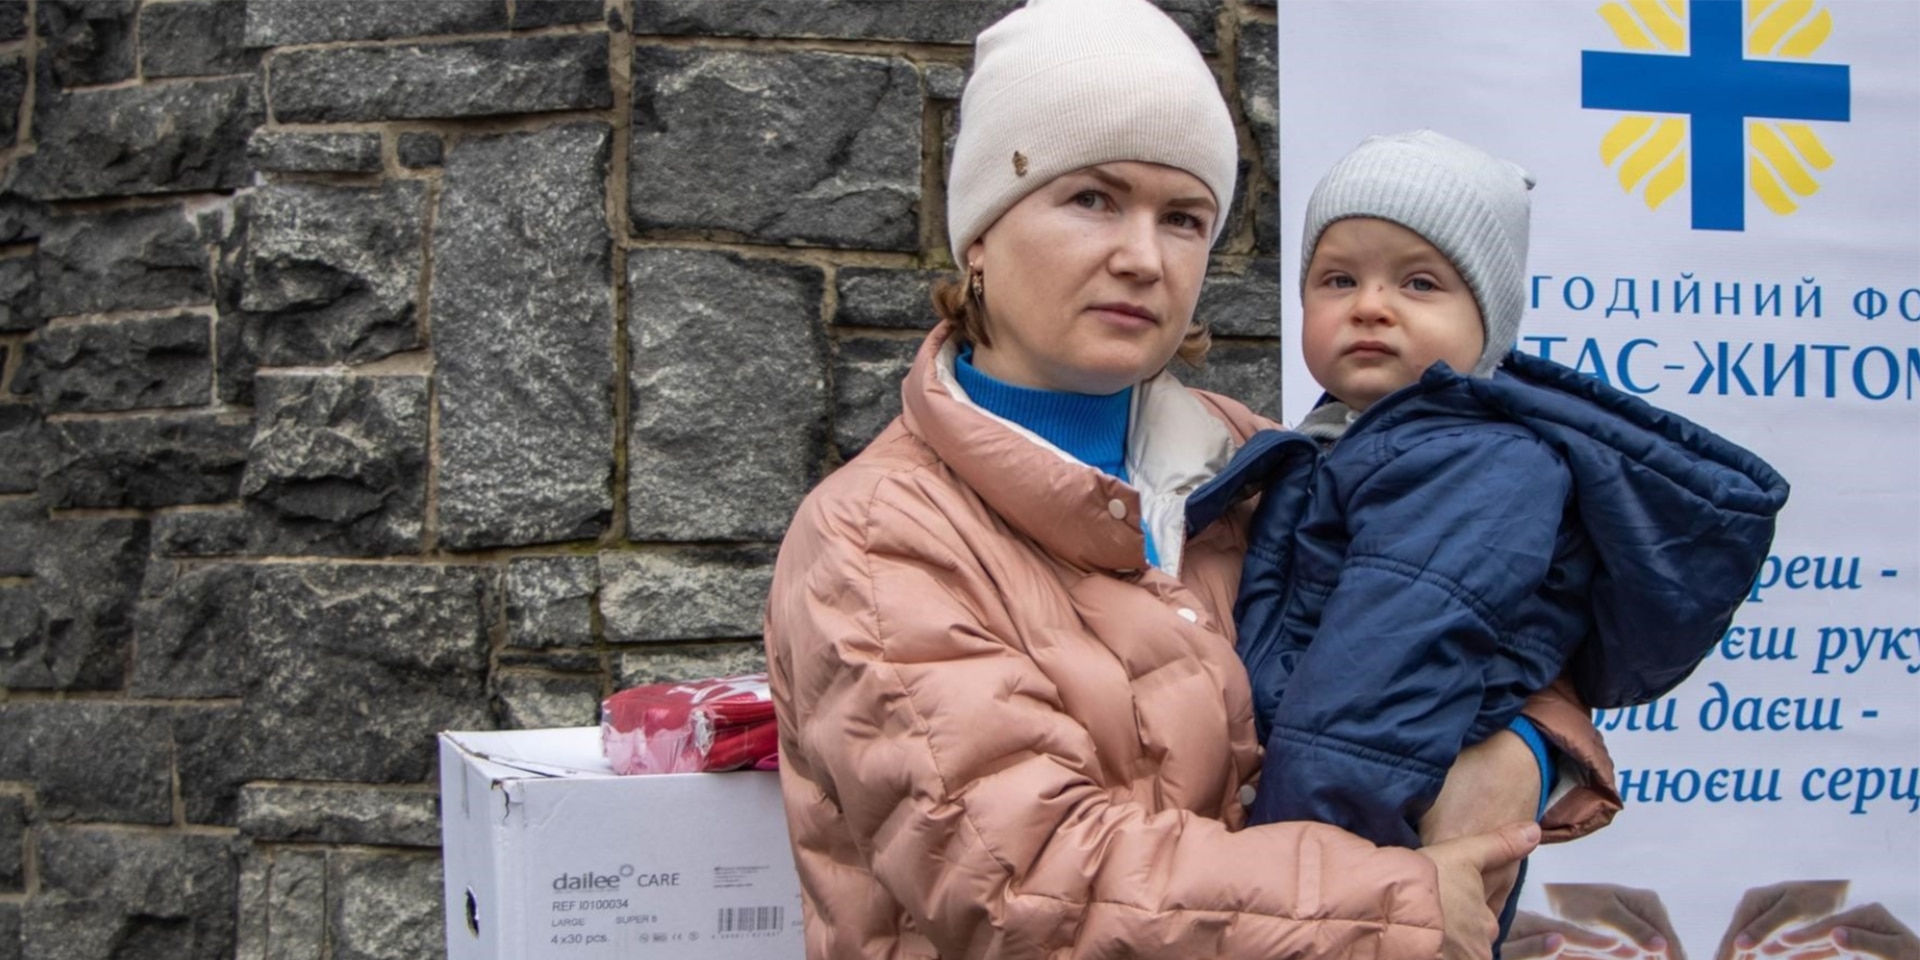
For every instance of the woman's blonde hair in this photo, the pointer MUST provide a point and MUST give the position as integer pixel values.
(953, 303)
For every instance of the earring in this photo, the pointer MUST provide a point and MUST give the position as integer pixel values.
(977, 282)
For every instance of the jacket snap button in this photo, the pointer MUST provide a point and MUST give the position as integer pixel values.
(1118, 509)
(1188, 615)
(1247, 793)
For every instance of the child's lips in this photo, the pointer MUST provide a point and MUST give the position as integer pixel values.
(1371, 348)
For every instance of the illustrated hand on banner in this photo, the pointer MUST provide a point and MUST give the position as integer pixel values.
(1764, 911)
(1637, 914)
(1861, 932)
(1866, 931)
(1535, 937)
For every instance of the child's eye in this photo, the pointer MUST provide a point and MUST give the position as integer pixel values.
(1423, 285)
(1340, 281)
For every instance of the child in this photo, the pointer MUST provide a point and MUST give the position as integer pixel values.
(1456, 524)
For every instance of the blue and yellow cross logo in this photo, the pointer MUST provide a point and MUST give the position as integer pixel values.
(1728, 98)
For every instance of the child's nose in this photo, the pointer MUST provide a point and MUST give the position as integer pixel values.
(1372, 304)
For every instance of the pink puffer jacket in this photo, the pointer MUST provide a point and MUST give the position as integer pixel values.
(1001, 738)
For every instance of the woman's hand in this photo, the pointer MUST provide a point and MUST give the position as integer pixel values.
(1464, 864)
(1493, 782)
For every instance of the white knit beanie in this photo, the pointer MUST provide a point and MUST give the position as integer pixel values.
(1471, 205)
(1058, 85)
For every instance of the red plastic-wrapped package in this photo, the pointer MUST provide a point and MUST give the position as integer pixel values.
(722, 723)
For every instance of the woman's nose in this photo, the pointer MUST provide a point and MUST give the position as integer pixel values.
(1136, 252)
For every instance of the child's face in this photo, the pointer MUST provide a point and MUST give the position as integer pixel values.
(1381, 306)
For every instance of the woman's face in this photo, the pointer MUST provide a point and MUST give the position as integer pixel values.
(1091, 280)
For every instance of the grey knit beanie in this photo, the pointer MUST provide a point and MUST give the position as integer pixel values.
(1058, 85)
(1469, 204)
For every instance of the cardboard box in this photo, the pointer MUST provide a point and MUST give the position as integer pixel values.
(549, 854)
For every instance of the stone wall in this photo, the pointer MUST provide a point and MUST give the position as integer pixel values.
(378, 368)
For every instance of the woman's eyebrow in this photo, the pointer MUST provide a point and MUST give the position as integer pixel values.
(1122, 185)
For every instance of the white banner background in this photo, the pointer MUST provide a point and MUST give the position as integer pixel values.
(1507, 76)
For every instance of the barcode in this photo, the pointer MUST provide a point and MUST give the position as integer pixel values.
(751, 919)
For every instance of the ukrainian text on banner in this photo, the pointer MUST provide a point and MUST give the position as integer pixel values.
(1726, 223)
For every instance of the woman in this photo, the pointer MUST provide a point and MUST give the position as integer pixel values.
(1012, 720)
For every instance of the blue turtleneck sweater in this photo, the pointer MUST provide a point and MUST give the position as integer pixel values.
(1091, 429)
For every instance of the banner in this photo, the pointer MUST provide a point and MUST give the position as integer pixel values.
(1727, 224)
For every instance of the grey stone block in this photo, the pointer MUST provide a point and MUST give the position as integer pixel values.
(866, 388)
(126, 141)
(191, 634)
(341, 462)
(1247, 372)
(20, 646)
(339, 813)
(1258, 73)
(783, 147)
(531, 14)
(913, 20)
(145, 461)
(20, 217)
(13, 844)
(250, 907)
(328, 273)
(563, 659)
(294, 152)
(195, 38)
(10, 931)
(944, 81)
(522, 339)
(659, 663)
(1199, 18)
(217, 532)
(16, 753)
(24, 447)
(526, 700)
(13, 91)
(1266, 224)
(23, 522)
(97, 761)
(550, 601)
(1243, 305)
(881, 297)
(143, 259)
(279, 23)
(87, 576)
(385, 907)
(419, 150)
(470, 79)
(87, 42)
(296, 906)
(353, 669)
(920, 21)
(131, 895)
(130, 364)
(728, 394)
(210, 760)
(13, 20)
(689, 593)
(19, 299)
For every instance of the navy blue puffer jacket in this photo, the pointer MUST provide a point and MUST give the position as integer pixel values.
(1464, 541)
